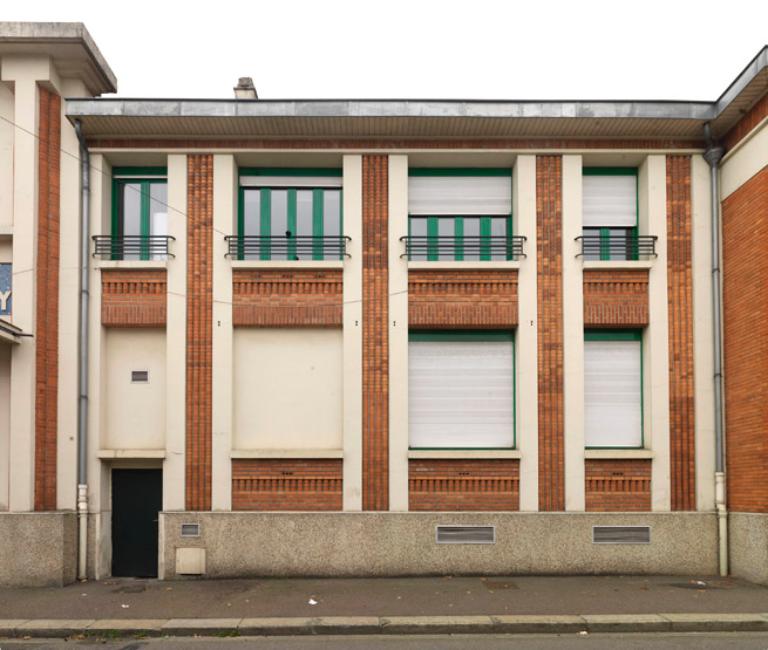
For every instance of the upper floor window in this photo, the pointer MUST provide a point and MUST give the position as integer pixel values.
(461, 214)
(290, 214)
(610, 214)
(139, 213)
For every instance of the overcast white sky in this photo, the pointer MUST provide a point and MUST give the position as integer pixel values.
(469, 49)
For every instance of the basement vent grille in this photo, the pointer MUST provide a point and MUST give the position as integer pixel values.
(465, 535)
(190, 530)
(621, 534)
(139, 376)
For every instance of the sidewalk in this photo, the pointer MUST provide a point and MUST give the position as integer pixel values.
(386, 605)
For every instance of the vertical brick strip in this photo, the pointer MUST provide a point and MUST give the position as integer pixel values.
(549, 172)
(199, 330)
(375, 333)
(680, 310)
(47, 300)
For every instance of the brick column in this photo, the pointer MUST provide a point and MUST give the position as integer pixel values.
(47, 299)
(375, 333)
(199, 371)
(680, 304)
(549, 264)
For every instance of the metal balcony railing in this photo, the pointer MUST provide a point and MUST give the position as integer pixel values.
(259, 247)
(484, 248)
(132, 247)
(617, 246)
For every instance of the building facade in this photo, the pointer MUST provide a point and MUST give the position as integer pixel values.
(260, 337)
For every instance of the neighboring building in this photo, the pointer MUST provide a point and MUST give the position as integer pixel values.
(320, 330)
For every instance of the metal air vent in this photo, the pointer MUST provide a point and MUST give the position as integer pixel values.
(621, 534)
(139, 376)
(190, 530)
(465, 534)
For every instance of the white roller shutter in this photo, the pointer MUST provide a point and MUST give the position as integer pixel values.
(290, 181)
(610, 201)
(612, 394)
(461, 394)
(459, 195)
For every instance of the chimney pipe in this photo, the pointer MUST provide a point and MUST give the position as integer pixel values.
(245, 89)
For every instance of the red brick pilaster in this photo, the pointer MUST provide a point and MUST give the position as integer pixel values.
(199, 330)
(47, 299)
(375, 333)
(680, 309)
(549, 232)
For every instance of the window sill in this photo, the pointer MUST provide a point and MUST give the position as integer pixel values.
(468, 264)
(287, 264)
(129, 454)
(131, 264)
(287, 453)
(618, 264)
(473, 454)
(617, 454)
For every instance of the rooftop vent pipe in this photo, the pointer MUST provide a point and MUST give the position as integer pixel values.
(245, 89)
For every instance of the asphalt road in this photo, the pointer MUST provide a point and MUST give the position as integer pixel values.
(731, 640)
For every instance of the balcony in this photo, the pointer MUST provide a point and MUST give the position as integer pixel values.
(132, 247)
(476, 248)
(613, 245)
(259, 247)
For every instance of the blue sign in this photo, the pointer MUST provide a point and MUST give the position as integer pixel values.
(5, 289)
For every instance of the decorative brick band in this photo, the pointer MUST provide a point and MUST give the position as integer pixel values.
(311, 484)
(741, 129)
(549, 218)
(47, 298)
(133, 298)
(199, 331)
(464, 485)
(618, 485)
(469, 299)
(616, 298)
(287, 298)
(392, 143)
(745, 307)
(682, 438)
(375, 333)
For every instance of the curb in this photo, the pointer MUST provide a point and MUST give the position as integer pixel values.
(386, 625)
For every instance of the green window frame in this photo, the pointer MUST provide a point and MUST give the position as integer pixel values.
(265, 208)
(474, 335)
(485, 229)
(624, 335)
(632, 253)
(145, 177)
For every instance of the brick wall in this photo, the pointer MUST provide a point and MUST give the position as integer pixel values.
(680, 309)
(618, 485)
(375, 333)
(615, 298)
(753, 117)
(445, 485)
(47, 299)
(133, 298)
(287, 484)
(462, 299)
(199, 330)
(745, 309)
(287, 298)
(549, 173)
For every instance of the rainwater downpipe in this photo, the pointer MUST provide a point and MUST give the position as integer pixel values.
(713, 155)
(82, 404)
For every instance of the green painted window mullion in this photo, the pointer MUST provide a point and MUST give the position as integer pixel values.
(317, 224)
(291, 224)
(144, 223)
(265, 227)
(117, 222)
(240, 223)
(485, 238)
(458, 231)
(605, 243)
(508, 244)
(432, 235)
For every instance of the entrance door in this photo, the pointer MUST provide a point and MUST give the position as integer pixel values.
(137, 498)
